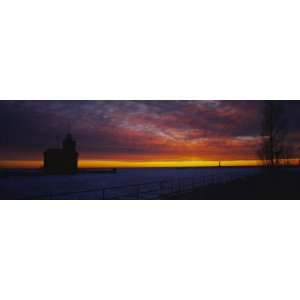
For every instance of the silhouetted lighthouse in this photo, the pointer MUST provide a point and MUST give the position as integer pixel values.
(63, 160)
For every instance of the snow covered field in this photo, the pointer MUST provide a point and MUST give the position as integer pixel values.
(90, 186)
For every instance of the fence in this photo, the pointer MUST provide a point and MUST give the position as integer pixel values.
(151, 190)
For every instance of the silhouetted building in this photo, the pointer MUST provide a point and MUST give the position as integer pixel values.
(63, 160)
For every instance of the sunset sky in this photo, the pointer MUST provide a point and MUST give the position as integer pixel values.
(138, 133)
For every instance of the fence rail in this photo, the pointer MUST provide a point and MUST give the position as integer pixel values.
(150, 190)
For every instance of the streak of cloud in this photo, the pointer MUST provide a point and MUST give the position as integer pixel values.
(137, 129)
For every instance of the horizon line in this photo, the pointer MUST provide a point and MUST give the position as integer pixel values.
(92, 163)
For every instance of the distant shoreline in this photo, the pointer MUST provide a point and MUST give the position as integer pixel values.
(134, 167)
(11, 172)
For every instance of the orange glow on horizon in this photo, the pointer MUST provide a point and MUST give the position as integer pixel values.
(94, 163)
(162, 163)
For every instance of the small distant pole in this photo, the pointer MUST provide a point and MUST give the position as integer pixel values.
(219, 164)
(69, 127)
(57, 141)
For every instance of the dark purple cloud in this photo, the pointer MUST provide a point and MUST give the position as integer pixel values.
(132, 128)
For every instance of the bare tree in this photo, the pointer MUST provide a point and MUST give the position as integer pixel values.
(273, 149)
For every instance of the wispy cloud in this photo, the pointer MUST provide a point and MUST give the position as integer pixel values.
(127, 129)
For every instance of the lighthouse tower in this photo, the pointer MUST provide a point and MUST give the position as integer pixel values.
(64, 160)
(70, 154)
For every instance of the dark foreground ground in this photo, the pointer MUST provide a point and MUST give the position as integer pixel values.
(278, 185)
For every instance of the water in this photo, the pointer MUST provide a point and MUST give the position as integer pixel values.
(60, 186)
